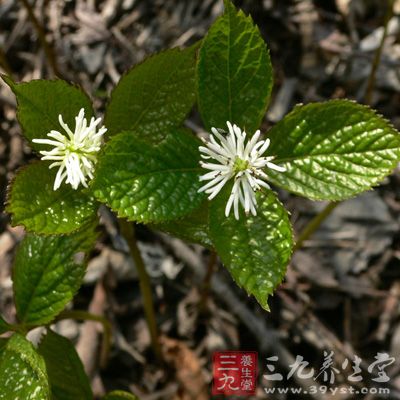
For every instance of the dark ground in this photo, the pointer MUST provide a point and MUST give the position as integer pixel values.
(341, 291)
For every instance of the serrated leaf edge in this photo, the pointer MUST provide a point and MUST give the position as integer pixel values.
(12, 85)
(150, 143)
(297, 108)
(38, 371)
(264, 303)
(128, 71)
(8, 201)
(230, 7)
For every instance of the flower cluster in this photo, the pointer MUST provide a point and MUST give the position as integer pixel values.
(239, 160)
(76, 152)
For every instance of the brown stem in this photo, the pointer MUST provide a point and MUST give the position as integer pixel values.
(86, 316)
(128, 232)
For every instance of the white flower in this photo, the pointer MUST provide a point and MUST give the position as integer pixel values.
(239, 160)
(75, 153)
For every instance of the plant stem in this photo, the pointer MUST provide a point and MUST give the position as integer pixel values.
(205, 288)
(19, 328)
(314, 224)
(49, 51)
(378, 53)
(127, 229)
(86, 316)
(4, 63)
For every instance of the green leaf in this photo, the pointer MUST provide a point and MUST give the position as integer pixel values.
(41, 101)
(47, 273)
(34, 204)
(148, 183)
(154, 96)
(193, 227)
(4, 326)
(119, 395)
(234, 73)
(254, 249)
(67, 377)
(333, 150)
(22, 372)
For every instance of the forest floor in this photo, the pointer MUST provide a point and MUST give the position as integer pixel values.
(341, 294)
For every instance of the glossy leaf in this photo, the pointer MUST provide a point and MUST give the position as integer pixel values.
(22, 372)
(34, 204)
(193, 227)
(41, 101)
(119, 395)
(148, 183)
(154, 96)
(67, 377)
(47, 274)
(234, 73)
(254, 249)
(333, 150)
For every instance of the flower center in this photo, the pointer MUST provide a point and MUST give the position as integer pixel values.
(72, 147)
(240, 165)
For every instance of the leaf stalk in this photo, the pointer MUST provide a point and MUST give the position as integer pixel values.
(86, 316)
(314, 224)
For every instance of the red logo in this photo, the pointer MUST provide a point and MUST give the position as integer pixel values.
(234, 373)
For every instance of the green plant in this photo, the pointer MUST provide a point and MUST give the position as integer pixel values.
(153, 171)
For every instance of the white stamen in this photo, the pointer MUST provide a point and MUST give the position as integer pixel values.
(239, 159)
(75, 153)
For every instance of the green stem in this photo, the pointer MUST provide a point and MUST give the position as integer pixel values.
(314, 224)
(127, 230)
(50, 55)
(18, 328)
(86, 316)
(378, 54)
